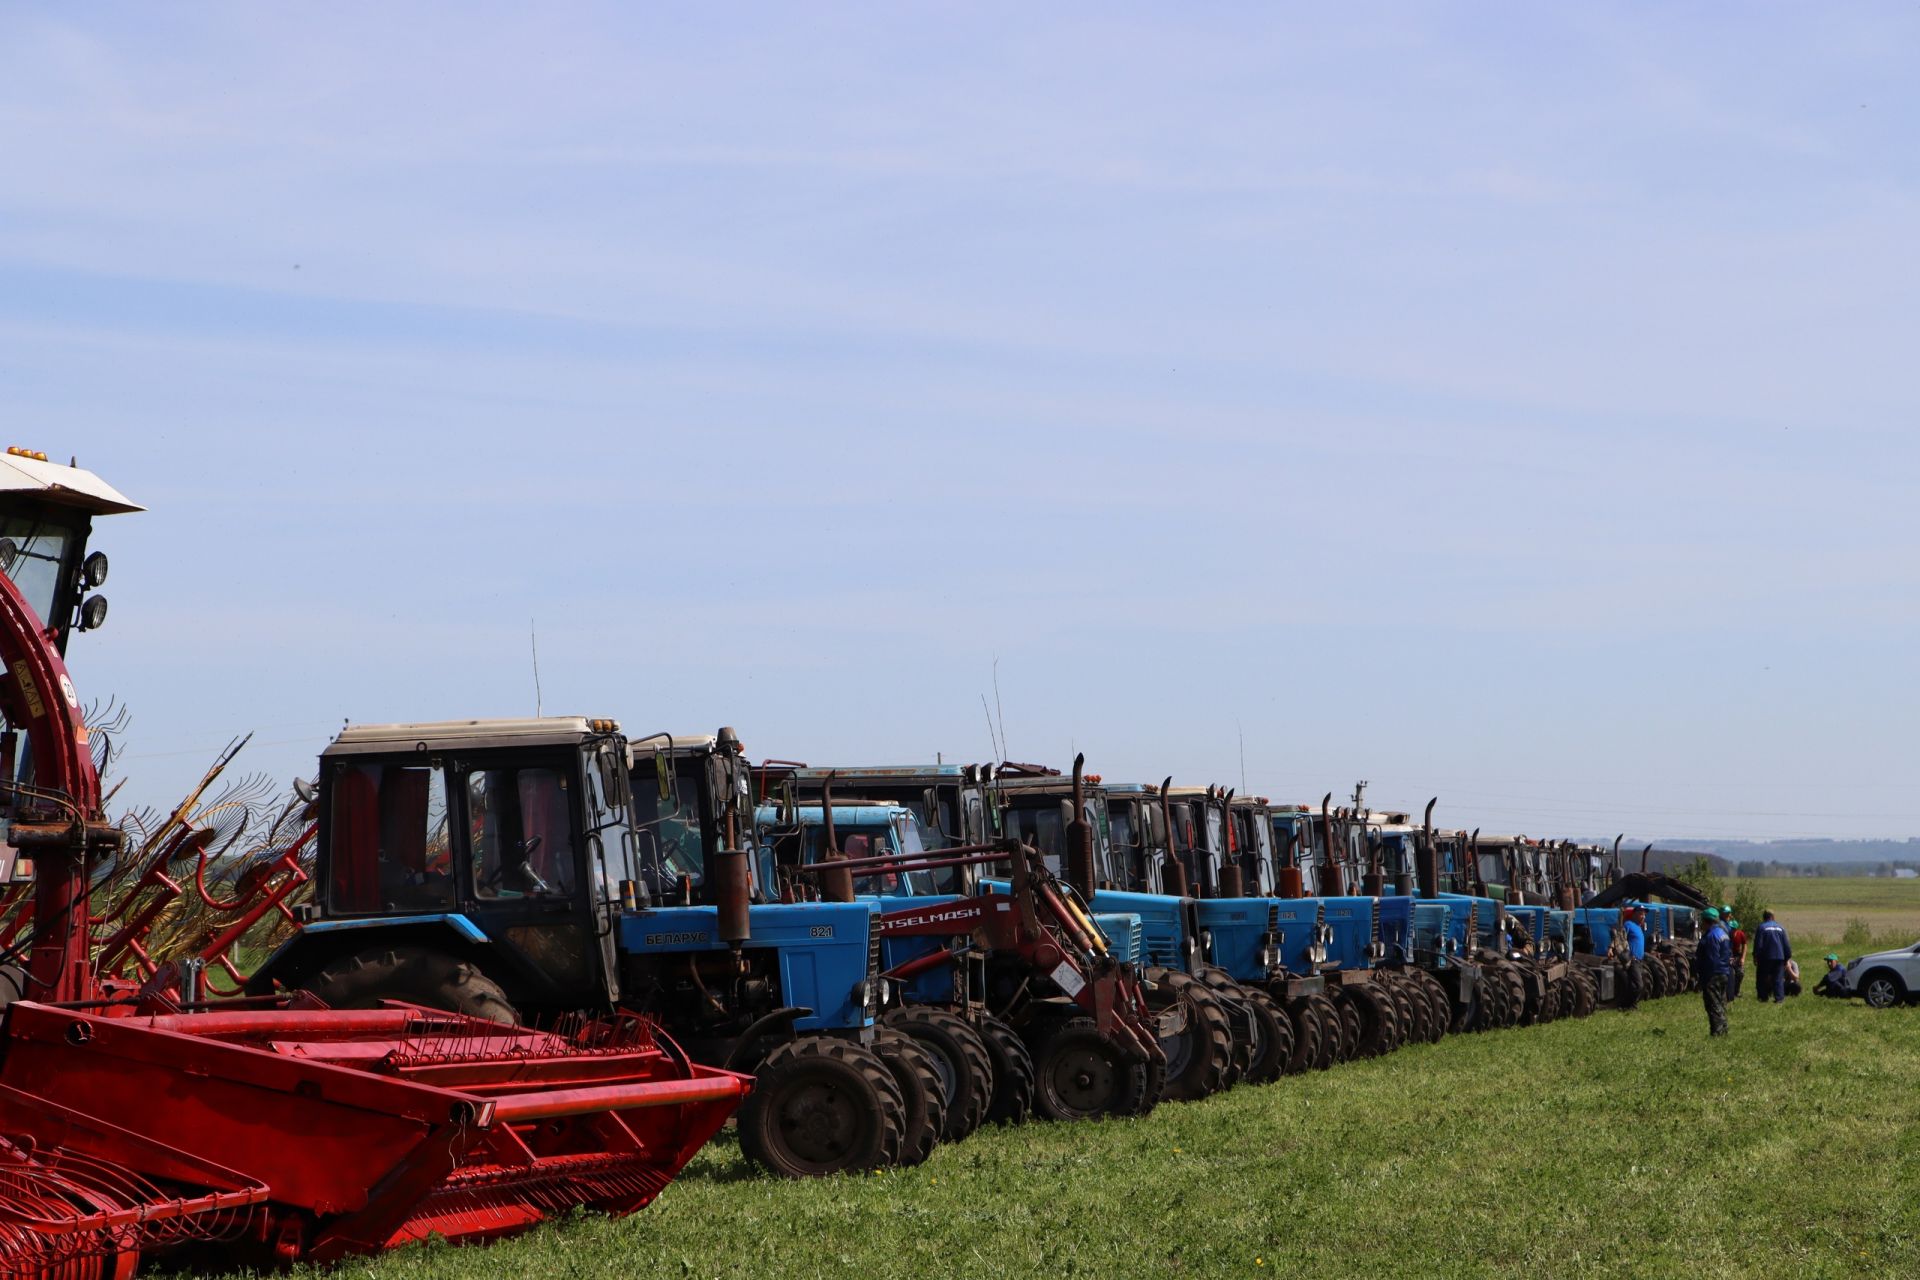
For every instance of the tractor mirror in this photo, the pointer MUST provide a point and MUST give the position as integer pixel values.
(663, 775)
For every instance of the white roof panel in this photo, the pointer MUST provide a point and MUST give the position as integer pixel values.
(72, 486)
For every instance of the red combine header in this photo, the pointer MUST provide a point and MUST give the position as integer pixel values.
(134, 1119)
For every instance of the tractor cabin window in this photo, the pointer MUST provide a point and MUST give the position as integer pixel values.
(388, 831)
(520, 833)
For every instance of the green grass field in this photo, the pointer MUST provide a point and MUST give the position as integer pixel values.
(1820, 910)
(1623, 1145)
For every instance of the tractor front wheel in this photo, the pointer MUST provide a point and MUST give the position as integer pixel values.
(925, 1116)
(1199, 1055)
(821, 1105)
(1081, 1074)
(1012, 1095)
(960, 1059)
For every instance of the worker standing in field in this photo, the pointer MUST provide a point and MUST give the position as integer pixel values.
(1636, 971)
(1771, 951)
(1712, 962)
(1738, 938)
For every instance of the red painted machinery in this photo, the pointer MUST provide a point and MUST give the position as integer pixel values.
(133, 1121)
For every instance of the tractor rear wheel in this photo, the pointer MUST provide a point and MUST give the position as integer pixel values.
(1414, 1010)
(1273, 1049)
(1653, 978)
(960, 1059)
(1439, 1006)
(418, 975)
(1012, 1095)
(1306, 1036)
(925, 1117)
(1586, 993)
(1379, 1025)
(821, 1105)
(1199, 1055)
(1081, 1074)
(1350, 1028)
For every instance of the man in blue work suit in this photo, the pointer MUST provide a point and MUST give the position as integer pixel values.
(1771, 951)
(1712, 962)
(1636, 975)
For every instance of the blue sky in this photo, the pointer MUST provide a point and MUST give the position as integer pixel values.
(1510, 403)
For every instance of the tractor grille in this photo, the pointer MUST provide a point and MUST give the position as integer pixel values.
(1273, 918)
(873, 950)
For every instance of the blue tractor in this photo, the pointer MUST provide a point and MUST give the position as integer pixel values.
(530, 869)
(1019, 950)
(965, 805)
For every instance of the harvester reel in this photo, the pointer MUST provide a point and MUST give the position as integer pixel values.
(1200, 1055)
(960, 1060)
(822, 1105)
(925, 1117)
(1012, 1095)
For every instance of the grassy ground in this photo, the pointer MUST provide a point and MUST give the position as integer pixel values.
(1887, 912)
(1624, 1145)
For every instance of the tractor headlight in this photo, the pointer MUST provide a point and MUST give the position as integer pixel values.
(93, 612)
(93, 570)
(1317, 953)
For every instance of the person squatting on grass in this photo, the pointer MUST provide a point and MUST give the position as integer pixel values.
(1712, 962)
(1834, 981)
(1771, 951)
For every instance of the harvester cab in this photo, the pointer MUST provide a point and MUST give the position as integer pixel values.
(44, 533)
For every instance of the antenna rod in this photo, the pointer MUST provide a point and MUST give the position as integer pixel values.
(533, 638)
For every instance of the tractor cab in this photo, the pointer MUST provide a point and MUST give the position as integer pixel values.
(1250, 846)
(796, 836)
(952, 804)
(510, 837)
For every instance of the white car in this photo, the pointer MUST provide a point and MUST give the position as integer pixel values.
(1886, 978)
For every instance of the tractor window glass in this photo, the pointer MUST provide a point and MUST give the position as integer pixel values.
(40, 550)
(1042, 829)
(669, 828)
(387, 832)
(520, 825)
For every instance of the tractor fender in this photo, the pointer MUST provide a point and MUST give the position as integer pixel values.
(777, 1025)
(321, 942)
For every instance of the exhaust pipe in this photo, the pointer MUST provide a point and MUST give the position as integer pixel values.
(1176, 870)
(1080, 837)
(836, 883)
(1427, 866)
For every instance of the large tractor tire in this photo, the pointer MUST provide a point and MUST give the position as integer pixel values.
(1333, 1032)
(821, 1105)
(1350, 1027)
(925, 1117)
(960, 1059)
(1233, 1001)
(1305, 1017)
(418, 975)
(1200, 1055)
(1012, 1095)
(1414, 1010)
(1081, 1074)
(1586, 993)
(1273, 1043)
(1379, 1024)
(1439, 1005)
(1516, 994)
(1653, 978)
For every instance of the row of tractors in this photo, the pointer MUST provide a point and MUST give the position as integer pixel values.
(514, 967)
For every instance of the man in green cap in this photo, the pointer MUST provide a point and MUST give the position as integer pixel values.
(1834, 981)
(1738, 937)
(1712, 962)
